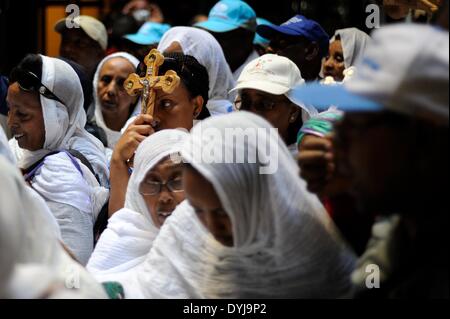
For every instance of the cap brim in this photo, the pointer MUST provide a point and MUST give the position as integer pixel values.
(323, 96)
(271, 88)
(259, 40)
(270, 31)
(140, 39)
(216, 26)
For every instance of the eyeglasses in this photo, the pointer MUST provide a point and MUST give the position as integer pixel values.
(260, 106)
(150, 188)
(29, 82)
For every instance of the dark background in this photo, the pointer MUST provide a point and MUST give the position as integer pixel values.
(21, 20)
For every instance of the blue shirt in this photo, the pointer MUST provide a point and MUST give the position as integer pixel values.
(3, 91)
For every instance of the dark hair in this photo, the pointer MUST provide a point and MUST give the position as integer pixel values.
(193, 75)
(121, 26)
(32, 63)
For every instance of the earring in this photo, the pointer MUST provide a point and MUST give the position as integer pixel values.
(292, 119)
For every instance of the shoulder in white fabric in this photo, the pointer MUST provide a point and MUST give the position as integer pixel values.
(60, 181)
(34, 246)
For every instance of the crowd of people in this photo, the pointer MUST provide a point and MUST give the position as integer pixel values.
(285, 164)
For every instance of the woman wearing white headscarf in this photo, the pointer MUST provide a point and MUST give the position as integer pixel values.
(110, 97)
(346, 47)
(283, 244)
(32, 263)
(47, 121)
(131, 230)
(205, 48)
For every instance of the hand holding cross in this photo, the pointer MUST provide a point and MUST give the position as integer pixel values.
(151, 82)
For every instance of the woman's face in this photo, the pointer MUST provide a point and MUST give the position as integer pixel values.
(110, 91)
(176, 109)
(206, 203)
(25, 118)
(162, 203)
(334, 63)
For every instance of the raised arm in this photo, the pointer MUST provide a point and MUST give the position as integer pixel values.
(121, 160)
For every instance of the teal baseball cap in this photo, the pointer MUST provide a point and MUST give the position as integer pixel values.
(229, 15)
(149, 33)
(259, 40)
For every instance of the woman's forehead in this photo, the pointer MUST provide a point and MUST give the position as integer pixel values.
(118, 64)
(165, 165)
(174, 47)
(179, 92)
(20, 98)
(336, 45)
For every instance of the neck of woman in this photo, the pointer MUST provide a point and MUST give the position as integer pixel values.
(116, 120)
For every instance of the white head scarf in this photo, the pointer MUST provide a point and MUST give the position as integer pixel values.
(112, 136)
(4, 148)
(131, 230)
(28, 243)
(64, 123)
(354, 43)
(204, 47)
(284, 240)
(285, 245)
(38, 201)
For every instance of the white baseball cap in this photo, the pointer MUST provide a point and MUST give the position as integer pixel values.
(91, 26)
(275, 75)
(270, 73)
(405, 70)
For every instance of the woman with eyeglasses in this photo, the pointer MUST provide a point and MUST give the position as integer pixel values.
(154, 190)
(238, 234)
(264, 87)
(33, 265)
(179, 109)
(61, 161)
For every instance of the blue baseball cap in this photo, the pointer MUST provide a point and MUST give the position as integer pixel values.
(322, 96)
(229, 15)
(259, 40)
(149, 33)
(298, 26)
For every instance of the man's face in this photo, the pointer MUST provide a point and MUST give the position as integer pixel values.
(236, 45)
(77, 46)
(375, 150)
(276, 109)
(293, 48)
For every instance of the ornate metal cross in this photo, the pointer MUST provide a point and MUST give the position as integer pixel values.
(147, 85)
